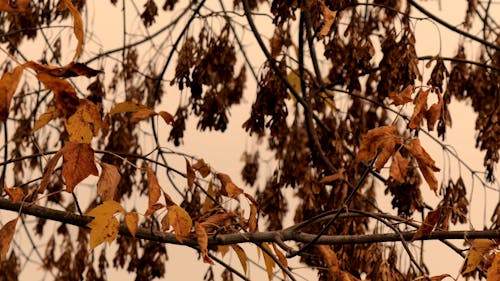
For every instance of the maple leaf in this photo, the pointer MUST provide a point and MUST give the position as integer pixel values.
(70, 70)
(77, 25)
(6, 235)
(104, 226)
(8, 86)
(228, 187)
(131, 220)
(85, 123)
(65, 99)
(434, 113)
(328, 17)
(478, 249)
(425, 163)
(18, 6)
(430, 222)
(398, 167)
(403, 97)
(383, 139)
(202, 238)
(108, 181)
(16, 194)
(154, 191)
(45, 118)
(419, 110)
(78, 163)
(180, 220)
(242, 256)
(494, 270)
(48, 171)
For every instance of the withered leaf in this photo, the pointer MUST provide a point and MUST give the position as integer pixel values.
(268, 261)
(218, 220)
(252, 219)
(78, 163)
(478, 249)
(153, 208)
(65, 99)
(48, 170)
(434, 113)
(428, 225)
(72, 69)
(154, 190)
(403, 97)
(104, 226)
(8, 86)
(419, 110)
(208, 204)
(85, 123)
(339, 175)
(16, 194)
(383, 139)
(440, 277)
(131, 220)
(202, 237)
(142, 114)
(77, 26)
(180, 220)
(494, 270)
(399, 167)
(127, 106)
(228, 187)
(202, 168)
(328, 17)
(330, 259)
(168, 200)
(45, 118)
(6, 235)
(108, 181)
(425, 163)
(18, 6)
(167, 117)
(190, 175)
(241, 256)
(223, 249)
(281, 258)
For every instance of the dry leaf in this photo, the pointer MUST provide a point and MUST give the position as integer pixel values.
(331, 260)
(85, 123)
(65, 99)
(281, 258)
(252, 219)
(77, 26)
(8, 86)
(383, 140)
(168, 200)
(167, 117)
(202, 237)
(218, 220)
(268, 261)
(403, 97)
(180, 220)
(16, 194)
(294, 80)
(45, 118)
(6, 235)
(328, 17)
(126, 107)
(190, 175)
(434, 113)
(339, 175)
(223, 249)
(131, 220)
(154, 190)
(73, 69)
(104, 226)
(78, 163)
(153, 208)
(108, 181)
(478, 249)
(241, 256)
(425, 163)
(494, 270)
(430, 222)
(208, 204)
(419, 110)
(399, 167)
(48, 171)
(18, 6)
(228, 187)
(440, 277)
(202, 168)
(142, 114)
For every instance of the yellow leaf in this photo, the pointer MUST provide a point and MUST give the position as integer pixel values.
(77, 26)
(45, 118)
(269, 262)
(180, 220)
(328, 17)
(127, 106)
(494, 270)
(15, 193)
(85, 123)
(6, 235)
(478, 249)
(131, 220)
(202, 237)
(241, 256)
(104, 226)
(106, 209)
(108, 181)
(8, 86)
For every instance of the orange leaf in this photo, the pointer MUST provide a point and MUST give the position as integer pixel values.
(434, 113)
(419, 109)
(252, 219)
(383, 139)
(17, 6)
(168, 200)
(8, 86)
(494, 270)
(104, 226)
(202, 237)
(478, 249)
(402, 97)
(167, 117)
(218, 220)
(190, 175)
(45, 118)
(85, 123)
(425, 163)
(331, 260)
(241, 256)
(126, 107)
(268, 261)
(15, 193)
(142, 114)
(339, 175)
(65, 99)
(202, 168)
(48, 170)
(154, 189)
(398, 167)
(223, 249)
(430, 222)
(131, 220)
(180, 220)
(78, 163)
(228, 187)
(108, 181)
(71, 70)
(281, 258)
(77, 25)
(328, 17)
(155, 207)
(6, 235)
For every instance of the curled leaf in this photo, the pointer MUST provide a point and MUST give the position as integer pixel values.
(228, 187)
(48, 171)
(328, 17)
(434, 113)
(77, 26)
(419, 110)
(6, 235)
(202, 237)
(403, 97)
(383, 140)
(202, 168)
(425, 163)
(241, 256)
(8, 86)
(154, 190)
(190, 175)
(428, 225)
(108, 181)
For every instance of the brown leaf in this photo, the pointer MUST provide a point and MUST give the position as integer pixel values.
(202, 237)
(268, 261)
(18, 6)
(168, 200)
(6, 235)
(382, 139)
(494, 270)
(331, 260)
(16, 194)
(77, 25)
(78, 163)
(425, 163)
(252, 219)
(142, 114)
(419, 110)
(223, 249)
(241, 256)
(478, 249)
(403, 97)
(430, 222)
(339, 175)
(218, 220)
(73, 69)
(154, 189)
(208, 204)
(190, 175)
(8, 86)
(45, 118)
(180, 220)
(48, 171)
(65, 99)
(131, 220)
(126, 107)
(85, 123)
(167, 117)
(434, 113)
(399, 167)
(108, 181)
(228, 187)
(440, 277)
(281, 258)
(328, 17)
(202, 168)
(153, 208)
